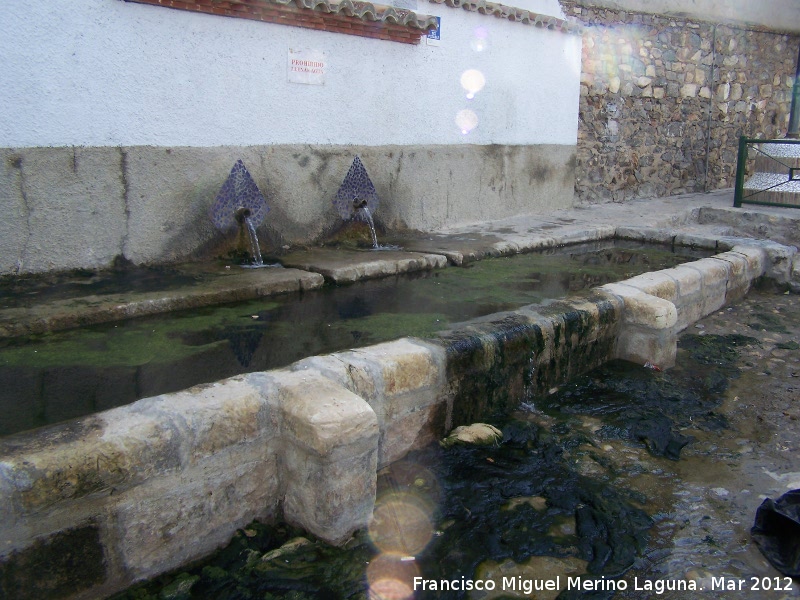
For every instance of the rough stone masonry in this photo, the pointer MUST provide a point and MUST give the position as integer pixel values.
(663, 101)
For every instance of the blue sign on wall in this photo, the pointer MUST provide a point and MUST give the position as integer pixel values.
(435, 35)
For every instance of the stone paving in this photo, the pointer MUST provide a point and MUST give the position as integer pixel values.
(712, 493)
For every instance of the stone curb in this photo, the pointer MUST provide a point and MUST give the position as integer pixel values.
(350, 267)
(64, 314)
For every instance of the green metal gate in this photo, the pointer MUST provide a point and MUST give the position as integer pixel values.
(775, 168)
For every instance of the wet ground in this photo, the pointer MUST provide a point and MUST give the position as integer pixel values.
(621, 484)
(723, 476)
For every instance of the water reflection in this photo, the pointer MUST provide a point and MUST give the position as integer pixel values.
(50, 378)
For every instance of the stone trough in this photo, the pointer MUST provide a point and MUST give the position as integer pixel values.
(135, 491)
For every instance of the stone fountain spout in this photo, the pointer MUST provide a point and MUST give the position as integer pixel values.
(241, 205)
(242, 215)
(361, 207)
(357, 200)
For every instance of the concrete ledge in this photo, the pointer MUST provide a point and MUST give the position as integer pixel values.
(689, 298)
(681, 286)
(779, 256)
(779, 225)
(342, 266)
(696, 240)
(148, 477)
(89, 310)
(559, 235)
(471, 243)
(642, 308)
(660, 304)
(742, 271)
(645, 234)
(649, 330)
(584, 234)
(488, 364)
(498, 361)
(714, 274)
(599, 321)
(328, 454)
(168, 479)
(776, 259)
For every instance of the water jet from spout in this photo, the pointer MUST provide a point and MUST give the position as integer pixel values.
(240, 204)
(243, 217)
(357, 200)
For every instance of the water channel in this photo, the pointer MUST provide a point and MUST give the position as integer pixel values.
(52, 377)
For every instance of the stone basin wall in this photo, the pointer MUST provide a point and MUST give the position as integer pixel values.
(126, 494)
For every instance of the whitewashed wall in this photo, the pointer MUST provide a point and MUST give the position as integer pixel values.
(112, 73)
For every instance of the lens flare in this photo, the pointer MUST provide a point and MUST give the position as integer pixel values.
(466, 120)
(391, 578)
(616, 52)
(401, 524)
(390, 589)
(472, 81)
(480, 39)
(413, 478)
(572, 55)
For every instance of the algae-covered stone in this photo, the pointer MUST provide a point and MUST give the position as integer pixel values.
(287, 548)
(180, 589)
(480, 434)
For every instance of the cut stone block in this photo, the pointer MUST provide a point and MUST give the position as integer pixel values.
(649, 331)
(402, 381)
(330, 454)
(714, 274)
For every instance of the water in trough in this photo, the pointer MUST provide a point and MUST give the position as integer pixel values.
(57, 376)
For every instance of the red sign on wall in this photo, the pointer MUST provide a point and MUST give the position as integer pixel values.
(307, 66)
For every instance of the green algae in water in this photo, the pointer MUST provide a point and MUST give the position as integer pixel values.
(388, 326)
(49, 378)
(719, 350)
(306, 572)
(130, 343)
(510, 282)
(767, 322)
(791, 345)
(367, 312)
